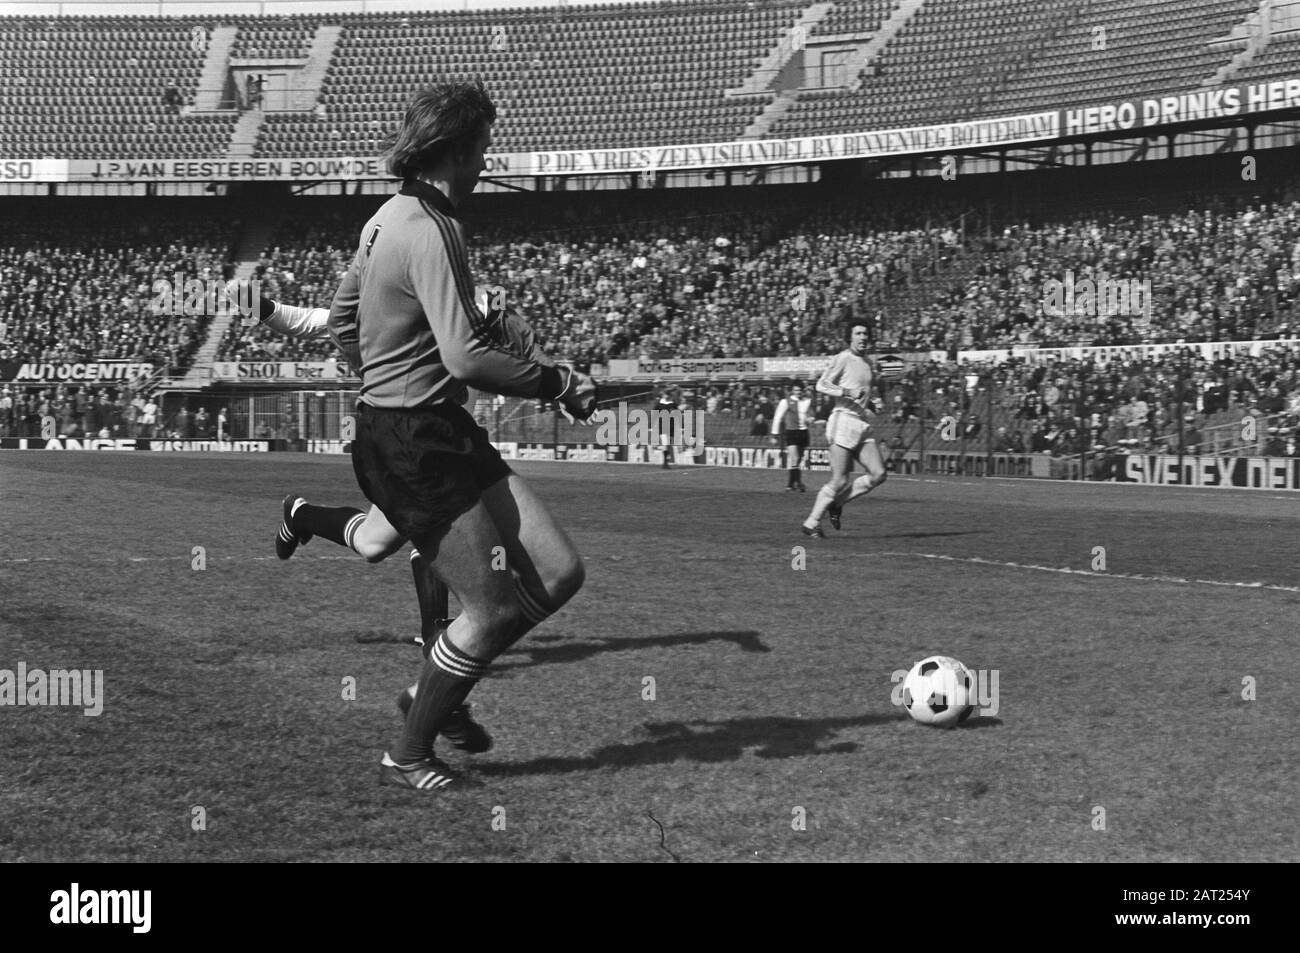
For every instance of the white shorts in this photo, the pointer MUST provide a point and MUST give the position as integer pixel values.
(847, 430)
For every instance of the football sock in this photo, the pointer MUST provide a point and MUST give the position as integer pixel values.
(794, 475)
(825, 497)
(338, 524)
(432, 595)
(448, 678)
(533, 610)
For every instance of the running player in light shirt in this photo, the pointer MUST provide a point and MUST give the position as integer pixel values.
(848, 431)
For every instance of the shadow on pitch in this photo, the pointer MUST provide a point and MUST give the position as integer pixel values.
(980, 721)
(969, 532)
(556, 649)
(708, 742)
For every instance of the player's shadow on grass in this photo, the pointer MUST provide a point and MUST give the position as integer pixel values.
(555, 649)
(708, 742)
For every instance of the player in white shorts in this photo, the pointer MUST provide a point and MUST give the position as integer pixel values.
(848, 431)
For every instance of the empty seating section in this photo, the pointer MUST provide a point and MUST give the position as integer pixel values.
(1280, 59)
(947, 51)
(855, 17)
(286, 38)
(607, 76)
(72, 88)
(589, 78)
(1145, 50)
(959, 59)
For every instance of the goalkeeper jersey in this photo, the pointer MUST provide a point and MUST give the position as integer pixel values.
(406, 309)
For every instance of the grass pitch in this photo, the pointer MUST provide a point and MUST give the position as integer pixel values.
(1120, 685)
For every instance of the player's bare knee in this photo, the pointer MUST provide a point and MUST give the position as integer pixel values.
(568, 580)
(372, 552)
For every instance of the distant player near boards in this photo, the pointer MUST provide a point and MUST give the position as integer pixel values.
(665, 405)
(848, 431)
(790, 423)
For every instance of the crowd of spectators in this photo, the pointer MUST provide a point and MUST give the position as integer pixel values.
(744, 272)
(612, 278)
(618, 276)
(78, 285)
(113, 413)
(1221, 273)
(77, 412)
(1178, 401)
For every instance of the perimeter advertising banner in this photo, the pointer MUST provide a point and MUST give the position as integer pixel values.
(1210, 350)
(1137, 115)
(247, 372)
(1253, 473)
(34, 170)
(63, 372)
(141, 443)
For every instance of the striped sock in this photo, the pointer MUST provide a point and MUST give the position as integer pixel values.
(432, 595)
(449, 676)
(534, 610)
(338, 524)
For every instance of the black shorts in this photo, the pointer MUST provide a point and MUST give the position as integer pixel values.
(796, 438)
(423, 467)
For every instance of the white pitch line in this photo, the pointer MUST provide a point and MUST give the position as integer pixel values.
(1065, 570)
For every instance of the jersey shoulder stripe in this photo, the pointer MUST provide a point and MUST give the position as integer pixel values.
(458, 255)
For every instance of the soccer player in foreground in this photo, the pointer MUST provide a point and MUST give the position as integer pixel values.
(405, 314)
(370, 535)
(848, 379)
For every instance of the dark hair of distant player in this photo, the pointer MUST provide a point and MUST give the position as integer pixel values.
(446, 118)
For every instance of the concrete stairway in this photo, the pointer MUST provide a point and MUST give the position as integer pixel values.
(312, 76)
(212, 81)
(760, 80)
(780, 105)
(867, 53)
(251, 245)
(244, 137)
(1251, 35)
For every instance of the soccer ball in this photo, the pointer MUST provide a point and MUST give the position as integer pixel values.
(939, 691)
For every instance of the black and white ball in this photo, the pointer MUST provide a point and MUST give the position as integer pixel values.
(939, 691)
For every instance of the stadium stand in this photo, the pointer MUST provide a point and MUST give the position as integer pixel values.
(283, 39)
(584, 77)
(77, 282)
(98, 88)
(710, 272)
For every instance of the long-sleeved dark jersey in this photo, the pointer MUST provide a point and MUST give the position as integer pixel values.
(405, 313)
